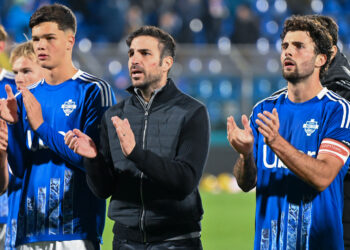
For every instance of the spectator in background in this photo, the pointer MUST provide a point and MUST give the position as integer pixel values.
(246, 26)
(134, 19)
(170, 22)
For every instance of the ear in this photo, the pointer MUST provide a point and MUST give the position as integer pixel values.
(70, 41)
(321, 59)
(334, 51)
(167, 63)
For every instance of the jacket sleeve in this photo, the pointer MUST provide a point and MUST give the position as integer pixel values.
(180, 175)
(99, 171)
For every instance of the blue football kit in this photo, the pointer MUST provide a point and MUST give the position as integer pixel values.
(291, 214)
(56, 203)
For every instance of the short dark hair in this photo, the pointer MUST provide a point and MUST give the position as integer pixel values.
(164, 38)
(329, 23)
(318, 33)
(57, 13)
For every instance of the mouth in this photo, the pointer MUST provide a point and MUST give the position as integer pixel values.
(42, 56)
(136, 72)
(288, 63)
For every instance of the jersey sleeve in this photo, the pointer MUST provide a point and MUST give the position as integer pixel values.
(336, 135)
(254, 127)
(94, 107)
(17, 152)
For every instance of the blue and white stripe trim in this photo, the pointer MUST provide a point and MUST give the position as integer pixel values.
(106, 91)
(345, 122)
(6, 74)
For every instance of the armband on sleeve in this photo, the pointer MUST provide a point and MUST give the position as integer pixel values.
(335, 148)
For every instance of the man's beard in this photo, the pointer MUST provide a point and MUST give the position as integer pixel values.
(148, 81)
(295, 77)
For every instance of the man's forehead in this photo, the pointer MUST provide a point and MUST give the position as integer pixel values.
(297, 36)
(144, 42)
(47, 28)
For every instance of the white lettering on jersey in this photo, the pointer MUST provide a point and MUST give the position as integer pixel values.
(277, 163)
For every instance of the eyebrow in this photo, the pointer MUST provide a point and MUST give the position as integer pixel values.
(294, 43)
(44, 35)
(139, 50)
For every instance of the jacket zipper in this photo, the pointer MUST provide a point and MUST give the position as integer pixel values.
(142, 222)
(146, 108)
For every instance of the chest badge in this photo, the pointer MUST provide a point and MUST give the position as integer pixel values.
(68, 107)
(310, 127)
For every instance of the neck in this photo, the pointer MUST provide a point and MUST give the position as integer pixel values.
(147, 93)
(60, 73)
(304, 90)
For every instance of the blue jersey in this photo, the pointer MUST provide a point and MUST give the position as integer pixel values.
(290, 214)
(14, 197)
(6, 77)
(56, 203)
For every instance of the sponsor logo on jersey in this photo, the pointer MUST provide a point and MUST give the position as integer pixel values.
(310, 127)
(68, 107)
(276, 162)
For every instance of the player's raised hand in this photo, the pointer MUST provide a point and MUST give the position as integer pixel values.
(80, 143)
(125, 134)
(8, 107)
(241, 140)
(33, 108)
(269, 125)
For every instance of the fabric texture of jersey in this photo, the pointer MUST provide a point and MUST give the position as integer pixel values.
(290, 214)
(56, 203)
(14, 197)
(6, 77)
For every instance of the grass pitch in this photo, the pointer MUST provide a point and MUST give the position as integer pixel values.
(228, 222)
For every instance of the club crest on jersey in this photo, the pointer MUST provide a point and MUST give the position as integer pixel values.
(310, 127)
(68, 107)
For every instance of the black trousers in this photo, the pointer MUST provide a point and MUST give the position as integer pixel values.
(186, 244)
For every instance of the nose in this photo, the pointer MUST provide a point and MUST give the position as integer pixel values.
(40, 44)
(288, 51)
(135, 59)
(19, 78)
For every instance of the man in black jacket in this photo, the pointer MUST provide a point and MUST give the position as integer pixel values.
(152, 151)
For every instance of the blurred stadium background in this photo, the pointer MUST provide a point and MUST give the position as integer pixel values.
(227, 57)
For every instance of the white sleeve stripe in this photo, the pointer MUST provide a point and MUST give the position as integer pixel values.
(345, 104)
(338, 144)
(330, 96)
(342, 157)
(105, 89)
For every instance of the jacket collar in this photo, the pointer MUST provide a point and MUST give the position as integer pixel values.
(168, 91)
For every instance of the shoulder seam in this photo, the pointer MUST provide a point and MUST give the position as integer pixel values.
(346, 107)
(105, 88)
